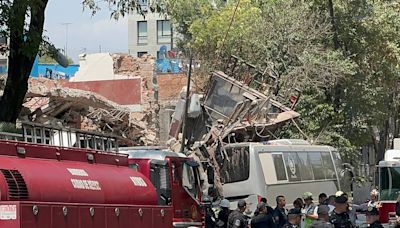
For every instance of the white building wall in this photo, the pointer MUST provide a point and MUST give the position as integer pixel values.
(97, 67)
(152, 45)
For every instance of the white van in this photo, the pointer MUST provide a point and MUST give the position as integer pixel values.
(286, 167)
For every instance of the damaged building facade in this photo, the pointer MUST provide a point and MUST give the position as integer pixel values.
(112, 94)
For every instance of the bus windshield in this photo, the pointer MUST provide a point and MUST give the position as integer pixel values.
(390, 183)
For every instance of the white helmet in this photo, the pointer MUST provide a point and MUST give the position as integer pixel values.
(374, 192)
(225, 203)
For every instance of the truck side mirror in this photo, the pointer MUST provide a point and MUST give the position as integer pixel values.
(210, 175)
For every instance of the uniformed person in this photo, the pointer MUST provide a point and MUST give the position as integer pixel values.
(224, 213)
(269, 209)
(339, 217)
(322, 199)
(323, 218)
(280, 216)
(236, 218)
(373, 217)
(294, 218)
(263, 219)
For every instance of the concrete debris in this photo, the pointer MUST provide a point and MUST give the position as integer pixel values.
(42, 87)
(48, 102)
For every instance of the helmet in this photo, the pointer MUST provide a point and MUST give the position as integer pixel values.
(375, 192)
(307, 195)
(339, 193)
(225, 203)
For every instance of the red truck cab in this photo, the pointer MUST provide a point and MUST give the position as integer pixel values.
(177, 181)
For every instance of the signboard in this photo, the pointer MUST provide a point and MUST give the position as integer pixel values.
(8, 212)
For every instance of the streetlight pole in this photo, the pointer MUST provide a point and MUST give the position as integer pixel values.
(66, 37)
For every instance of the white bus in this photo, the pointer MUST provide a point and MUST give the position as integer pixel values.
(286, 167)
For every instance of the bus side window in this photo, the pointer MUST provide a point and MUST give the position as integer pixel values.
(305, 167)
(328, 164)
(316, 163)
(279, 167)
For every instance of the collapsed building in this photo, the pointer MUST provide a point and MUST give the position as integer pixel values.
(240, 107)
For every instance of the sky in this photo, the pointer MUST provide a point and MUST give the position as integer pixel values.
(85, 33)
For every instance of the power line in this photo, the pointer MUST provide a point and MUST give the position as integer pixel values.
(229, 28)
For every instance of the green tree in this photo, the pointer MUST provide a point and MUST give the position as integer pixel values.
(369, 31)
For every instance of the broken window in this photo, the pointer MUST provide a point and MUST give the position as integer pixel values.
(222, 98)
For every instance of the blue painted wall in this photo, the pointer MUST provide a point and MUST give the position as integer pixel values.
(57, 70)
(35, 68)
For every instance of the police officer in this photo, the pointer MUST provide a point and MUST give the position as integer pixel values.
(280, 217)
(263, 219)
(339, 217)
(294, 218)
(323, 218)
(322, 199)
(269, 209)
(236, 218)
(373, 217)
(224, 213)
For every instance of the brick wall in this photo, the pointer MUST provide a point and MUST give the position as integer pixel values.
(170, 85)
(123, 92)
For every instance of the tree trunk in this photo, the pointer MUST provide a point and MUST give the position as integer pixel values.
(333, 24)
(24, 46)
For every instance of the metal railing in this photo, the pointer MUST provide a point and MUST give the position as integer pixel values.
(64, 137)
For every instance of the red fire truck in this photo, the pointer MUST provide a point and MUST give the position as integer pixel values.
(70, 183)
(389, 186)
(45, 186)
(176, 178)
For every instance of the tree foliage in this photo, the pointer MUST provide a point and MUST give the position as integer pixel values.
(344, 55)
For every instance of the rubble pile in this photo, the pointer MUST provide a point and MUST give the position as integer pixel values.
(48, 102)
(131, 66)
(51, 102)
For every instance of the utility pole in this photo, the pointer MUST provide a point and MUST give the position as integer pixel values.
(66, 37)
(186, 104)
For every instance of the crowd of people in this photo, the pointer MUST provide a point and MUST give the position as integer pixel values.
(333, 211)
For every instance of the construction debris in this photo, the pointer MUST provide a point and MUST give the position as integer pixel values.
(48, 102)
(241, 107)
